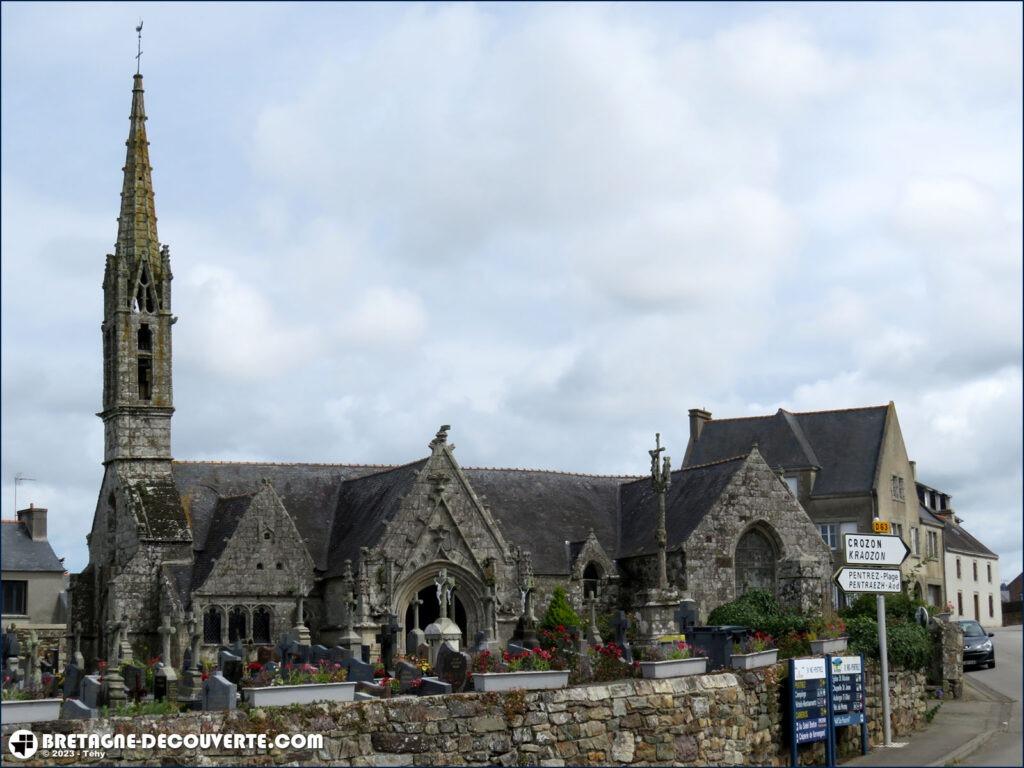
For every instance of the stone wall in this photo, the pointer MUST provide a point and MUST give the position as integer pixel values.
(722, 718)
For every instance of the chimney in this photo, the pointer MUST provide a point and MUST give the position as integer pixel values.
(34, 519)
(698, 418)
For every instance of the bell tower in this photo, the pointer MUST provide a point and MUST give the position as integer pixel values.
(137, 320)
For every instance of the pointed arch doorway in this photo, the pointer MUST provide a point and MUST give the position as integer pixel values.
(468, 598)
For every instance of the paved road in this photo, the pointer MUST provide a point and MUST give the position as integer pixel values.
(1005, 747)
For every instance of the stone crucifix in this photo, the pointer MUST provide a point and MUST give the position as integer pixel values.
(661, 479)
(445, 584)
(166, 631)
(114, 628)
(195, 638)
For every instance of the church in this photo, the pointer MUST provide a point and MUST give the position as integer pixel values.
(235, 551)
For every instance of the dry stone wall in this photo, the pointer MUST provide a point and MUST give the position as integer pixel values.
(717, 719)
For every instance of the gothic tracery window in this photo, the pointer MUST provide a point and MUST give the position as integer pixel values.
(261, 625)
(212, 626)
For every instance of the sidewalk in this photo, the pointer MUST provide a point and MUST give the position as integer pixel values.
(959, 728)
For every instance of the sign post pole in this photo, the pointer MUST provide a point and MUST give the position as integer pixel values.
(883, 652)
(864, 720)
(830, 742)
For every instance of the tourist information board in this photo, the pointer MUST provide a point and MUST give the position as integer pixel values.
(846, 689)
(873, 580)
(874, 549)
(808, 699)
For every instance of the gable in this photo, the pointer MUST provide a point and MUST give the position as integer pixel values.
(256, 550)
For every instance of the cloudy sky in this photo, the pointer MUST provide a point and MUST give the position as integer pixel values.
(556, 228)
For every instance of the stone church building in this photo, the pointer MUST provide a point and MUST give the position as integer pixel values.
(246, 551)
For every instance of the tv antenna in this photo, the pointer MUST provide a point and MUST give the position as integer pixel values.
(18, 480)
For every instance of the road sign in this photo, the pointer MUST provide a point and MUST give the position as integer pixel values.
(872, 549)
(875, 580)
(881, 526)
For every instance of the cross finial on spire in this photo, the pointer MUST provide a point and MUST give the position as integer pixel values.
(138, 56)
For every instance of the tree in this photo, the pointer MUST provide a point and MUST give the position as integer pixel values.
(559, 612)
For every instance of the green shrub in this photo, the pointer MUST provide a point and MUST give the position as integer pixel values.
(559, 612)
(751, 610)
(898, 607)
(910, 645)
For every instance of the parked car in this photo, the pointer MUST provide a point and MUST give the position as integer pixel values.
(978, 645)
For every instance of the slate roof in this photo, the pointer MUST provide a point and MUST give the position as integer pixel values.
(227, 512)
(959, 540)
(925, 515)
(364, 505)
(309, 493)
(19, 553)
(693, 492)
(539, 511)
(160, 509)
(844, 444)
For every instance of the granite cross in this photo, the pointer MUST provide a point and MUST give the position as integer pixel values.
(166, 630)
(415, 603)
(661, 479)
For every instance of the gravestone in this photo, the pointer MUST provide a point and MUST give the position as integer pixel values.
(298, 654)
(318, 653)
(337, 654)
(406, 674)
(72, 681)
(75, 709)
(480, 642)
(388, 639)
(92, 692)
(423, 651)
(358, 670)
(621, 625)
(218, 693)
(186, 660)
(686, 615)
(230, 666)
(431, 686)
(165, 683)
(284, 642)
(364, 653)
(134, 682)
(414, 638)
(452, 666)
(373, 690)
(238, 649)
(516, 650)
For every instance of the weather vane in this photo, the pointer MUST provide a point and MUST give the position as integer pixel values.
(138, 56)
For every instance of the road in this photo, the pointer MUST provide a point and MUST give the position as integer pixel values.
(1005, 747)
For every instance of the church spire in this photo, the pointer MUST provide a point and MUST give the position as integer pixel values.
(137, 240)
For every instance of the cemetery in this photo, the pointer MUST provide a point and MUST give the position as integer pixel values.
(557, 694)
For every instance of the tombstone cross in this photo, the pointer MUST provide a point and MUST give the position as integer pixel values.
(115, 642)
(166, 630)
(415, 603)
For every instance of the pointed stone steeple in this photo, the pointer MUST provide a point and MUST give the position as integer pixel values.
(136, 224)
(137, 393)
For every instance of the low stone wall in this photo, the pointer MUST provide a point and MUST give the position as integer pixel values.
(714, 719)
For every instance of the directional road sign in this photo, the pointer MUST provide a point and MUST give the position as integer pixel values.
(873, 549)
(876, 580)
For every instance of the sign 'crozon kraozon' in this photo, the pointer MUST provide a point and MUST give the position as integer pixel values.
(873, 549)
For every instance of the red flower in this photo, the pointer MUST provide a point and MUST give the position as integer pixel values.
(204, 675)
(255, 666)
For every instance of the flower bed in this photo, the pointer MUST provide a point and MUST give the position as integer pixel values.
(260, 676)
(29, 710)
(526, 680)
(282, 695)
(656, 670)
(828, 645)
(754, 660)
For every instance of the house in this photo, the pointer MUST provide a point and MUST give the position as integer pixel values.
(846, 468)
(972, 569)
(34, 588)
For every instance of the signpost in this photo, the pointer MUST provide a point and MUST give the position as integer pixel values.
(889, 552)
(808, 706)
(877, 580)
